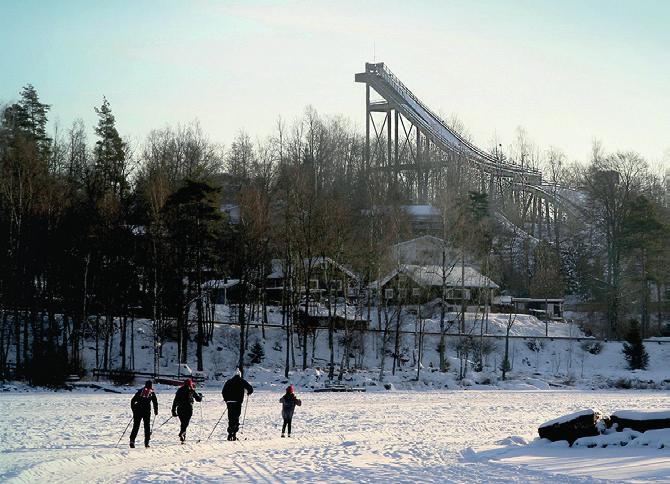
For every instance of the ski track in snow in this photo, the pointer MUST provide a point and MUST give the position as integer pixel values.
(350, 437)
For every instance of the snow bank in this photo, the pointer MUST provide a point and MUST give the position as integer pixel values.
(613, 439)
(657, 439)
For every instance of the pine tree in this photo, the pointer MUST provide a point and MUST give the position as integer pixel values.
(256, 353)
(633, 349)
(547, 280)
(195, 227)
(34, 117)
(110, 153)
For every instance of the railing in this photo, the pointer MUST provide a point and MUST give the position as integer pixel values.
(390, 78)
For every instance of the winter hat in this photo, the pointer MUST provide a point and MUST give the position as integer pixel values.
(238, 372)
(189, 383)
(289, 389)
(149, 384)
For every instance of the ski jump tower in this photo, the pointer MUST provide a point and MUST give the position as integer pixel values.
(411, 144)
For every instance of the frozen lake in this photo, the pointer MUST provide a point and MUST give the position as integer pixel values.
(341, 437)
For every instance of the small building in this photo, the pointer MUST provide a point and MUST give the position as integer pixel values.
(223, 291)
(423, 251)
(550, 309)
(324, 273)
(424, 219)
(232, 211)
(416, 284)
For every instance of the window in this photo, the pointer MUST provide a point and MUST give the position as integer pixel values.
(402, 294)
(388, 293)
(336, 285)
(416, 292)
(456, 293)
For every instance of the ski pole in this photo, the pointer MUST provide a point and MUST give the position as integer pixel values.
(151, 432)
(124, 432)
(171, 416)
(245, 411)
(199, 426)
(217, 423)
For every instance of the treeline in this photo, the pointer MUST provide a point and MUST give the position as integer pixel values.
(97, 232)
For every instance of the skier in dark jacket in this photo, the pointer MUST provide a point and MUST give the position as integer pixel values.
(141, 406)
(233, 393)
(182, 405)
(288, 401)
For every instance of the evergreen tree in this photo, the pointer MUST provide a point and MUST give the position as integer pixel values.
(547, 280)
(33, 117)
(110, 153)
(256, 353)
(633, 349)
(195, 227)
(644, 238)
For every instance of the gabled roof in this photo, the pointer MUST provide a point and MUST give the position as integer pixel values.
(431, 276)
(277, 266)
(429, 238)
(421, 210)
(220, 283)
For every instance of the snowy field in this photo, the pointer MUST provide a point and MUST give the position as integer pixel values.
(430, 436)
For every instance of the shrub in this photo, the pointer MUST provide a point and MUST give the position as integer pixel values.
(633, 349)
(535, 345)
(505, 365)
(623, 383)
(48, 367)
(123, 377)
(256, 353)
(593, 347)
(488, 346)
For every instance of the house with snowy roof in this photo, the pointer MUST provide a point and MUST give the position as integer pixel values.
(326, 276)
(424, 219)
(423, 250)
(417, 284)
(224, 291)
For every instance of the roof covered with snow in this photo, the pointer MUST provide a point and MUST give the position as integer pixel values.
(421, 210)
(277, 266)
(432, 275)
(220, 283)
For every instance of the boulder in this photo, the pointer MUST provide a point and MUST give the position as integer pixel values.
(640, 421)
(571, 427)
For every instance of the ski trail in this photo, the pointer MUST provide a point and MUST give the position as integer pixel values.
(395, 437)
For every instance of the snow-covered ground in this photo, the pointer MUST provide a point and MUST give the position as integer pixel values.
(397, 436)
(536, 363)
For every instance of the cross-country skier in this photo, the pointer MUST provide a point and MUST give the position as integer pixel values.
(288, 401)
(182, 405)
(233, 394)
(141, 406)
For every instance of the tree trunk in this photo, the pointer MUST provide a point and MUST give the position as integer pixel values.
(17, 339)
(242, 322)
(442, 349)
(122, 342)
(396, 348)
(201, 331)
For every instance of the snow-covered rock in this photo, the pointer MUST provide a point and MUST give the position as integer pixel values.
(640, 421)
(570, 427)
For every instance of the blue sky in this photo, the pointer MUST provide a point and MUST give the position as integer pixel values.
(567, 71)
